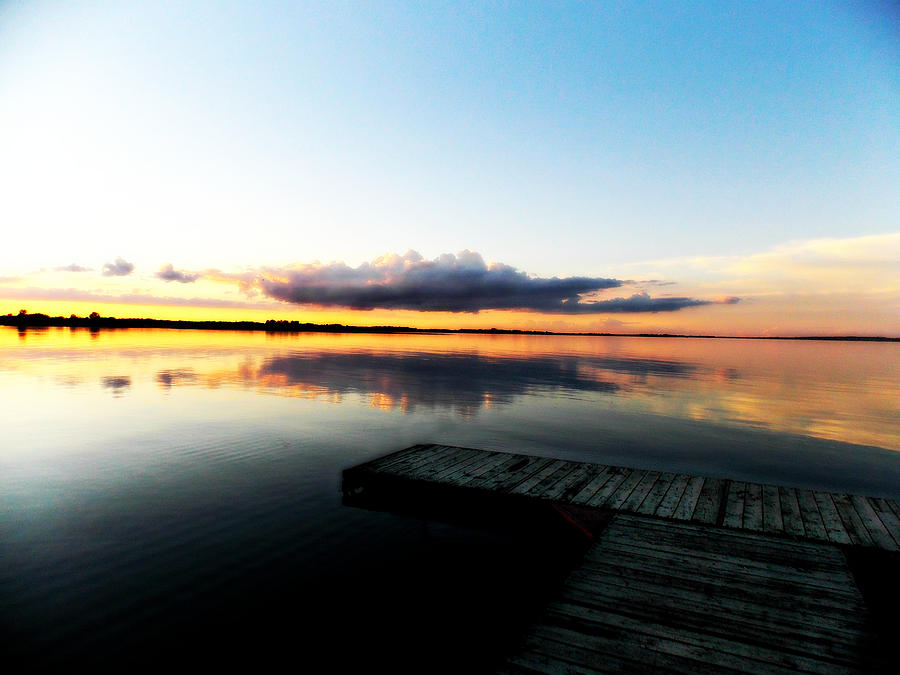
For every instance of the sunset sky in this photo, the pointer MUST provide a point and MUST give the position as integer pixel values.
(693, 167)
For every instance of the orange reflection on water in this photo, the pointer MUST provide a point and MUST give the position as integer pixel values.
(843, 391)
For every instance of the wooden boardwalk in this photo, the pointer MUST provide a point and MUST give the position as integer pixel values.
(784, 511)
(658, 596)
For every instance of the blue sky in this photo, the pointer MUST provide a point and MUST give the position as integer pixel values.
(560, 138)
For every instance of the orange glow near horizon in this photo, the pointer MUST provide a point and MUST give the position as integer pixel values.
(778, 385)
(777, 317)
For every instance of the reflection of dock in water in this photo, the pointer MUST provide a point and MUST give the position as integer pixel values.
(681, 572)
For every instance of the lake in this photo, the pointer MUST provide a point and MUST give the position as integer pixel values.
(173, 497)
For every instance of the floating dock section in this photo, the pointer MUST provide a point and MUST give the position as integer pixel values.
(681, 573)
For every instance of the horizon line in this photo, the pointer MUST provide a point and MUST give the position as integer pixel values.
(24, 320)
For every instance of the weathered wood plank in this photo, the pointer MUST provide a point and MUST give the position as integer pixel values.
(873, 524)
(524, 486)
(616, 499)
(811, 555)
(763, 590)
(790, 511)
(670, 500)
(852, 522)
(550, 481)
(589, 619)
(658, 608)
(753, 507)
(895, 506)
(752, 540)
(809, 513)
(719, 560)
(892, 523)
(576, 478)
(834, 526)
(657, 492)
(474, 473)
(689, 499)
(511, 466)
(616, 476)
(417, 454)
(772, 521)
(639, 647)
(431, 468)
(473, 460)
(734, 505)
(709, 501)
(515, 474)
(663, 594)
(583, 496)
(387, 461)
(640, 491)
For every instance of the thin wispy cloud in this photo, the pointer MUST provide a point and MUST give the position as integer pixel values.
(119, 268)
(79, 295)
(74, 267)
(169, 273)
(451, 283)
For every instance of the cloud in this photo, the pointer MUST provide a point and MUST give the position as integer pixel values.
(450, 283)
(641, 302)
(119, 268)
(168, 273)
(73, 268)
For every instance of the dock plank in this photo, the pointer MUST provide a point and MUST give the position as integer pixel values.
(583, 496)
(834, 526)
(809, 513)
(536, 479)
(853, 524)
(616, 476)
(771, 502)
(790, 511)
(689, 499)
(710, 501)
(891, 522)
(670, 500)
(571, 482)
(873, 524)
(621, 495)
(657, 492)
(640, 492)
(753, 507)
(734, 505)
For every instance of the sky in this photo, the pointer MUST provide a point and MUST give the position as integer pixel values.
(696, 167)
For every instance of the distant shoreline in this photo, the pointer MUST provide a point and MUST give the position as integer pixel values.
(24, 321)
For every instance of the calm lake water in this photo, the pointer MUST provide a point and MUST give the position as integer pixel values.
(173, 496)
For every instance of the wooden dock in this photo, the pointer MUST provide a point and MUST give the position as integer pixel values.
(806, 514)
(681, 573)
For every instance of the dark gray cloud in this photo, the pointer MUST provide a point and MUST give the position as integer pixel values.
(641, 302)
(461, 283)
(119, 268)
(74, 267)
(169, 273)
